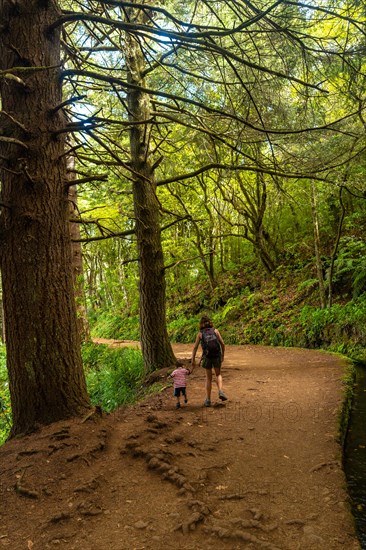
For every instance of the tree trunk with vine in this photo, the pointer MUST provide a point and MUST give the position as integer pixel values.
(44, 363)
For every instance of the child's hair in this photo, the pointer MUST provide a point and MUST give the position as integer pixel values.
(205, 322)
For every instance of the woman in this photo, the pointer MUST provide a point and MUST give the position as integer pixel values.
(213, 348)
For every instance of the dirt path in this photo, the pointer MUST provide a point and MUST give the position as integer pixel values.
(262, 471)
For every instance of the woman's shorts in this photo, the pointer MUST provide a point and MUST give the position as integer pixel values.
(211, 362)
(178, 391)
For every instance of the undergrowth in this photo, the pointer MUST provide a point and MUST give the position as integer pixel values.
(115, 326)
(114, 376)
(5, 408)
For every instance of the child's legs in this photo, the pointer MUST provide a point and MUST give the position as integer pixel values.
(177, 394)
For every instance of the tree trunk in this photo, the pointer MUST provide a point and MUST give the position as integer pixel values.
(319, 266)
(257, 209)
(155, 344)
(251, 203)
(336, 245)
(77, 257)
(208, 267)
(43, 347)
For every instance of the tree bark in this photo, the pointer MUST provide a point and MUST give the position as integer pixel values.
(155, 344)
(46, 376)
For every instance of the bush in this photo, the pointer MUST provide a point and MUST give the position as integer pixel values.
(113, 375)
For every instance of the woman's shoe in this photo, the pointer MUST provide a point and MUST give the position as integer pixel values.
(222, 396)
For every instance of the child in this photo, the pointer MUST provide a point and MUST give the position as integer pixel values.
(179, 376)
(213, 348)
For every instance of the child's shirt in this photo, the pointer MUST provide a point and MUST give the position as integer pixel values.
(180, 377)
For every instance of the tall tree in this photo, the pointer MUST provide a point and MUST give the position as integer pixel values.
(155, 343)
(43, 347)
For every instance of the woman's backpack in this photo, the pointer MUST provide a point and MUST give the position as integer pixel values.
(210, 343)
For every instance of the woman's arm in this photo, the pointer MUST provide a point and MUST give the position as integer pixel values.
(196, 344)
(222, 343)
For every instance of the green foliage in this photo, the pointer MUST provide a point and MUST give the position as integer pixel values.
(350, 265)
(114, 376)
(341, 328)
(309, 283)
(5, 408)
(183, 329)
(112, 325)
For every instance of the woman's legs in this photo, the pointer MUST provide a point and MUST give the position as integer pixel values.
(222, 396)
(208, 384)
(218, 378)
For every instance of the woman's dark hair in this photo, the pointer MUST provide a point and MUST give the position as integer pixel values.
(205, 322)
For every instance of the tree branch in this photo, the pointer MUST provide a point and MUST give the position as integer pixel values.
(81, 181)
(14, 141)
(242, 168)
(70, 101)
(185, 260)
(191, 39)
(15, 121)
(103, 237)
(113, 80)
